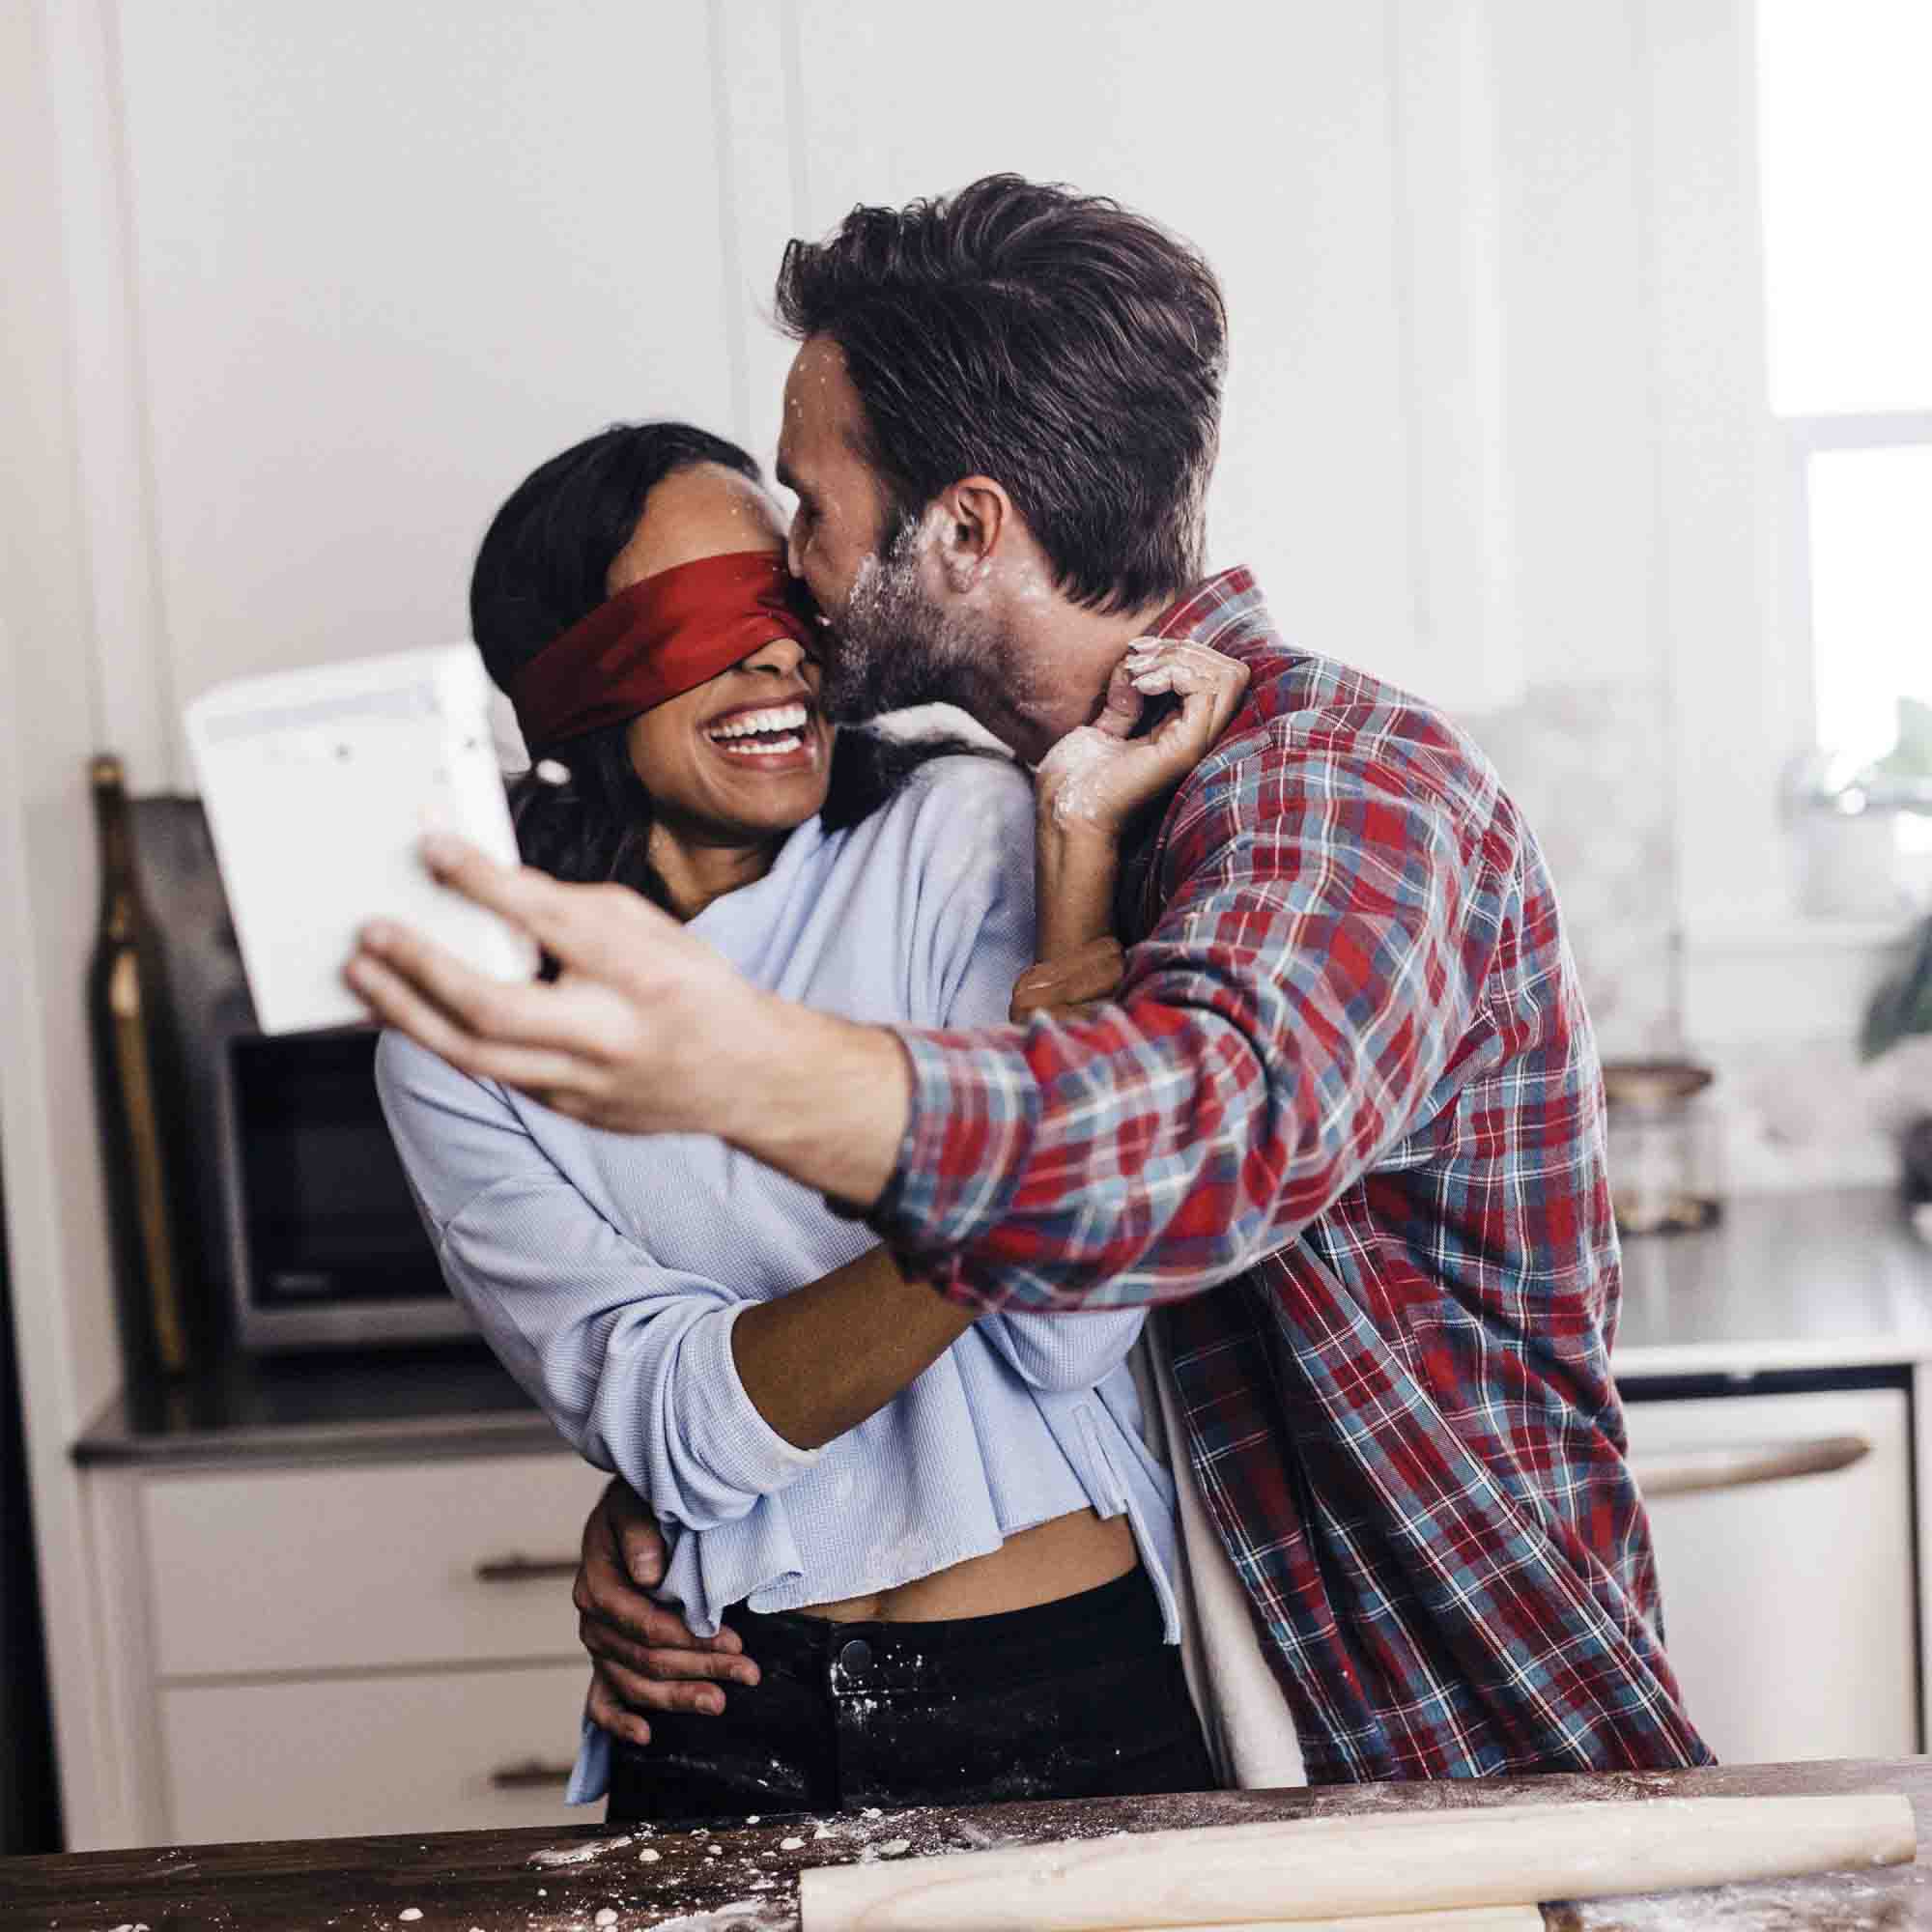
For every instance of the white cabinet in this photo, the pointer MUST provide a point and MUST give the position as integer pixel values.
(379, 1565)
(458, 1750)
(1788, 1598)
(313, 1651)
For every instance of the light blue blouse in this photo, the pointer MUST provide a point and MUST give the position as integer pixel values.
(607, 1269)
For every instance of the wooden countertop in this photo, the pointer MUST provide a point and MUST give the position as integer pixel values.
(745, 1880)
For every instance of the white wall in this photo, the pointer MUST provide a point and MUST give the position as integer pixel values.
(377, 262)
(1280, 164)
(386, 259)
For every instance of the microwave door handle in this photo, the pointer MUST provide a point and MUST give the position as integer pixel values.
(1695, 1473)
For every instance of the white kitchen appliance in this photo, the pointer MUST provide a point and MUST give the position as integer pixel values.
(1783, 1516)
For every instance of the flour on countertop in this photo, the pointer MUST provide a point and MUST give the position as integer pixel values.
(741, 1915)
(576, 1855)
(1766, 1905)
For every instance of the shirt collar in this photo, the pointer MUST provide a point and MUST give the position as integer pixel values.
(1226, 611)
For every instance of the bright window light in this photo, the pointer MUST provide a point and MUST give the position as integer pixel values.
(1847, 172)
(1871, 592)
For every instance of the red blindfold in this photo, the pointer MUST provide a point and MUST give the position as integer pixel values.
(664, 636)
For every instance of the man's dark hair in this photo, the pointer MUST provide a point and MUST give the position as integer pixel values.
(1058, 343)
(544, 563)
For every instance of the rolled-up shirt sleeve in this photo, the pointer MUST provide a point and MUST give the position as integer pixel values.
(630, 1360)
(1317, 965)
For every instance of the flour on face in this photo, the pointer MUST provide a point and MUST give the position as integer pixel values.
(896, 646)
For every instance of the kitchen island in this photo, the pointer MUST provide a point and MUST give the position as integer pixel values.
(746, 1880)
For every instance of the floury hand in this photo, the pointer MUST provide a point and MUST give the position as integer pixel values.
(1099, 774)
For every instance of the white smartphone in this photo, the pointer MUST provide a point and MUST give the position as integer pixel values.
(318, 786)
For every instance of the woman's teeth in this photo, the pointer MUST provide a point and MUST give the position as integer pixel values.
(762, 734)
(763, 748)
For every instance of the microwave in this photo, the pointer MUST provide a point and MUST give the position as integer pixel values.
(324, 1244)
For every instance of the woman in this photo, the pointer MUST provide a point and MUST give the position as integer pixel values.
(958, 1594)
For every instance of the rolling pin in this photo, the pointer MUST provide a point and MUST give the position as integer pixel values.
(1315, 1868)
(1472, 1919)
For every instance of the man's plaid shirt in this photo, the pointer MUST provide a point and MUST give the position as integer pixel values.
(1348, 1086)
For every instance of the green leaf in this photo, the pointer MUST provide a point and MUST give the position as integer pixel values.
(1902, 1005)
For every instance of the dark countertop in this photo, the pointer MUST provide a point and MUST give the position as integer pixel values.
(451, 1398)
(1834, 1280)
(549, 1881)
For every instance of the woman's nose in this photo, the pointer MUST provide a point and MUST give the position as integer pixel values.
(782, 656)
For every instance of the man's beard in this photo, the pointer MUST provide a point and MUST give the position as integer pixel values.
(893, 647)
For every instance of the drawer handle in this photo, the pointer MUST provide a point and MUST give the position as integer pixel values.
(1693, 1474)
(523, 1569)
(529, 1776)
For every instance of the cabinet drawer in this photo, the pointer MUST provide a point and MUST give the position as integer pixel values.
(455, 1750)
(380, 1564)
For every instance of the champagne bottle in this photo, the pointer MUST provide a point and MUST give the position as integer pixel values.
(127, 1010)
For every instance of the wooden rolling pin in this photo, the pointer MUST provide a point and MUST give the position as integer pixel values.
(1315, 1869)
(1472, 1919)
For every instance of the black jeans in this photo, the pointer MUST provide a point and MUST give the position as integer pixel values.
(1079, 1699)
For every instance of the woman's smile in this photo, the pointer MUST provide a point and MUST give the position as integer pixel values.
(783, 737)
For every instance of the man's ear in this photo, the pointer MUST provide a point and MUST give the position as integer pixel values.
(979, 518)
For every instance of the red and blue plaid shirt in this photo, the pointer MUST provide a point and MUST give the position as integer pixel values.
(1345, 1115)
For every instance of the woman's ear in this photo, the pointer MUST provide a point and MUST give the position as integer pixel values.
(975, 518)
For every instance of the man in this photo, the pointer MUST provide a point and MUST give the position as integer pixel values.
(1343, 1112)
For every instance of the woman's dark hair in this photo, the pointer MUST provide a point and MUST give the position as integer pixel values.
(545, 562)
(1058, 343)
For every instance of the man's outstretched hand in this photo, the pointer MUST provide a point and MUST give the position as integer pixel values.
(639, 1001)
(643, 1656)
(646, 1030)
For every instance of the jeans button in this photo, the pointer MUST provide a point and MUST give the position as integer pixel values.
(855, 1655)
